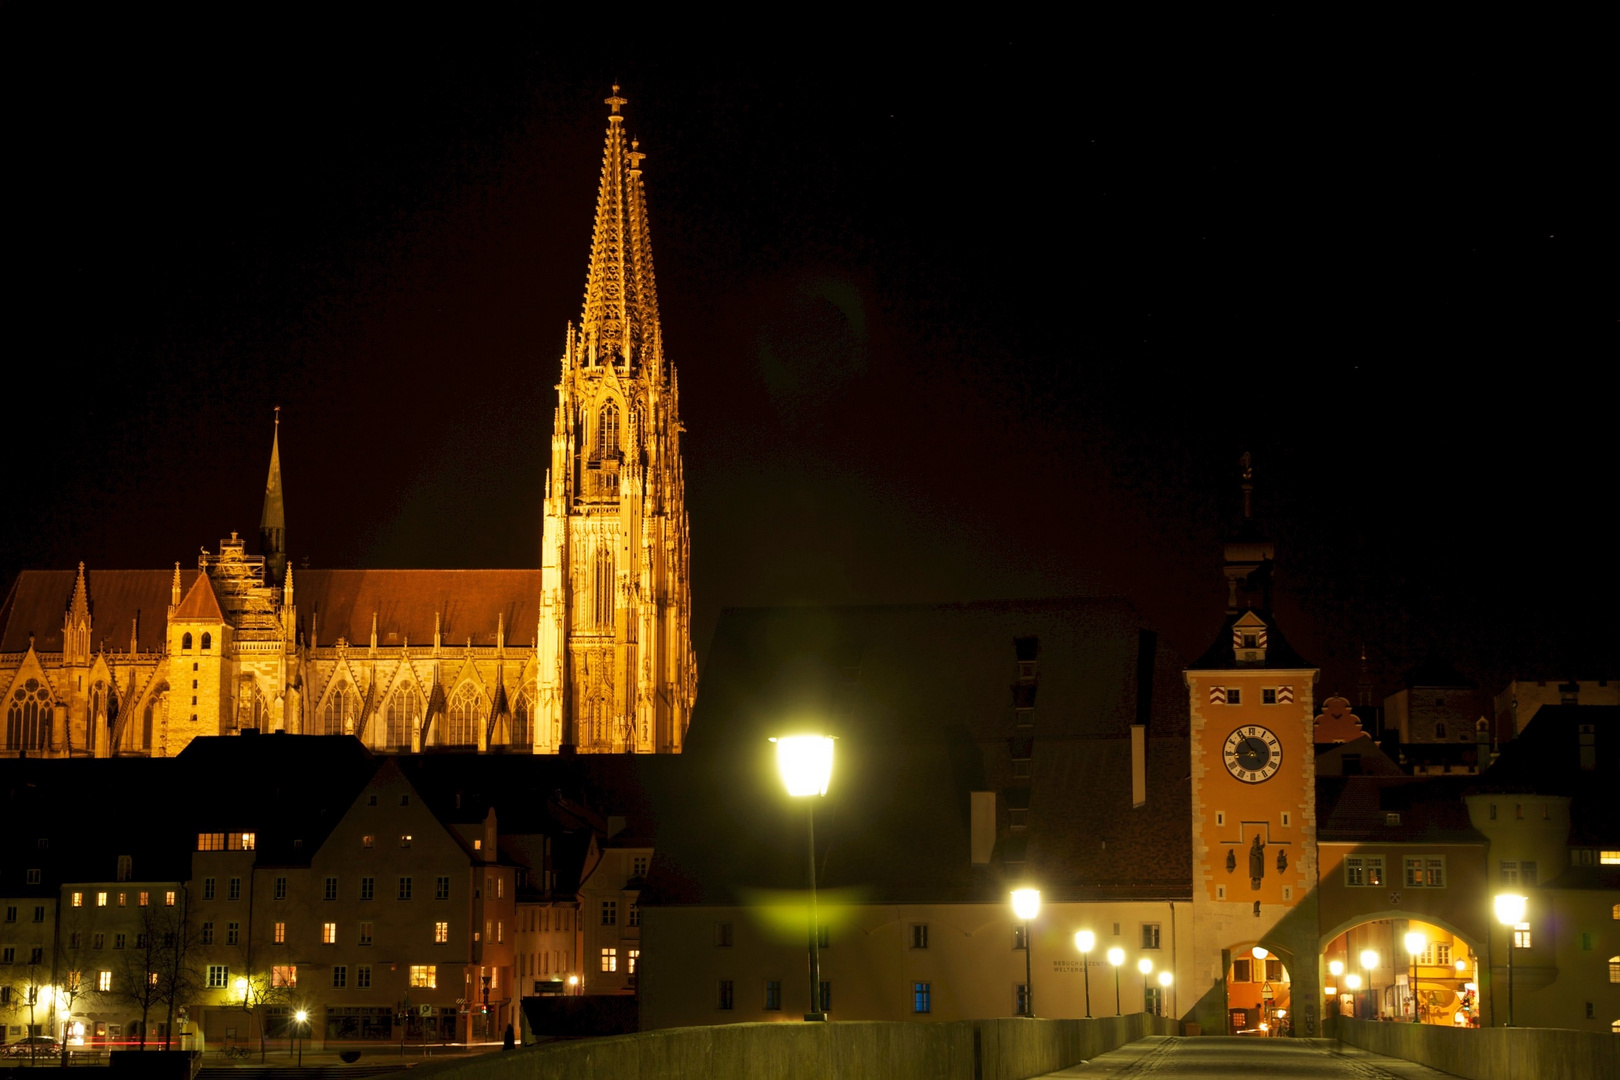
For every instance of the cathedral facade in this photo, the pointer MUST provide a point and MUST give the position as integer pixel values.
(592, 651)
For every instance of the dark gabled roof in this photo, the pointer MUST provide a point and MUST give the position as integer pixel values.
(1221, 656)
(1356, 809)
(921, 699)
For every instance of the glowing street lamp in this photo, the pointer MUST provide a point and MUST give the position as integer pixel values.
(1145, 966)
(1416, 942)
(1335, 968)
(805, 762)
(1085, 941)
(1116, 957)
(303, 1021)
(573, 983)
(1026, 905)
(1369, 964)
(1510, 913)
(1165, 979)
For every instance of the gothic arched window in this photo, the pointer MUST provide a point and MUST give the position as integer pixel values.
(341, 712)
(466, 709)
(521, 714)
(602, 586)
(208, 639)
(185, 641)
(607, 431)
(404, 711)
(28, 720)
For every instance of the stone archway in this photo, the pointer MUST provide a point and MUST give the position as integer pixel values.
(1376, 976)
(1259, 992)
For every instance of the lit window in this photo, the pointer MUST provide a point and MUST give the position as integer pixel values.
(1609, 858)
(284, 975)
(219, 976)
(146, 898)
(104, 981)
(632, 956)
(441, 933)
(404, 839)
(424, 976)
(610, 959)
(168, 898)
(211, 841)
(1521, 936)
(281, 933)
(368, 841)
(101, 899)
(329, 933)
(78, 899)
(922, 997)
(1614, 969)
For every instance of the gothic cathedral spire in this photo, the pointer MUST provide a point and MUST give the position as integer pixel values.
(273, 522)
(617, 671)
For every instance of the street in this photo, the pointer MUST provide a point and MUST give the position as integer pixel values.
(1172, 1058)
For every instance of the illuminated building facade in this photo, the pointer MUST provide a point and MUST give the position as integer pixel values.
(591, 651)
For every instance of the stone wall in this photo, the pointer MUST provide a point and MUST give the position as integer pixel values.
(1000, 1049)
(1489, 1053)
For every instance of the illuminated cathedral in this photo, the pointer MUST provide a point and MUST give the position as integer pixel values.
(590, 652)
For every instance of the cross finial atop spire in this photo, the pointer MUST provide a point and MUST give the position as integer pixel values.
(614, 103)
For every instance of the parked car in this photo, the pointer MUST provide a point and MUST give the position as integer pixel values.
(34, 1046)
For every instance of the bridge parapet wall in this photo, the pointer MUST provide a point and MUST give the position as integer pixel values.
(1000, 1049)
(1489, 1053)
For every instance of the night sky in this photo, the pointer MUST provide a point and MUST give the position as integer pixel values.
(953, 320)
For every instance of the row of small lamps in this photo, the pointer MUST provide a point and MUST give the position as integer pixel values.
(1027, 905)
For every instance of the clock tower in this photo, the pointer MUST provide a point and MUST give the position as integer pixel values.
(1253, 808)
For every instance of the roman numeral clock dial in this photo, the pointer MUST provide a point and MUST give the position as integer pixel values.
(1252, 754)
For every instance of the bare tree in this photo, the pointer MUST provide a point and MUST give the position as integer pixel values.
(177, 981)
(138, 968)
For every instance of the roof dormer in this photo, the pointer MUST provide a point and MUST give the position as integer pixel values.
(1249, 639)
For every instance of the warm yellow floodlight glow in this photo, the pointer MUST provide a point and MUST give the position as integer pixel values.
(1258, 953)
(805, 762)
(1116, 956)
(1369, 958)
(1026, 903)
(1144, 965)
(1331, 990)
(1335, 968)
(1085, 941)
(1264, 1026)
(1461, 966)
(300, 1016)
(1416, 942)
(1164, 978)
(573, 980)
(1509, 909)
(241, 988)
(1352, 981)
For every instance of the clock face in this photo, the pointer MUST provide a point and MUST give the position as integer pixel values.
(1252, 754)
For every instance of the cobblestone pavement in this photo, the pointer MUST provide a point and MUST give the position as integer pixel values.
(1167, 1057)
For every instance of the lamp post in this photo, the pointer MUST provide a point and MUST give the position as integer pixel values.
(805, 762)
(1085, 941)
(1116, 957)
(1145, 966)
(1335, 969)
(1416, 942)
(1026, 905)
(1510, 912)
(303, 1018)
(1165, 979)
(1369, 963)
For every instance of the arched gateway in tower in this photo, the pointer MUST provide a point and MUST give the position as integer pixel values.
(591, 651)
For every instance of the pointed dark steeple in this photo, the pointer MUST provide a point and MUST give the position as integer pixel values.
(1248, 555)
(273, 522)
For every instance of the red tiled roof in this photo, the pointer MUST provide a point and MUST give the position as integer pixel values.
(469, 603)
(200, 603)
(39, 598)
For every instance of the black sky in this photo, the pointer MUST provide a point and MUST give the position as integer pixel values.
(953, 320)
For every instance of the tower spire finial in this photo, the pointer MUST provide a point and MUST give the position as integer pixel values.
(273, 521)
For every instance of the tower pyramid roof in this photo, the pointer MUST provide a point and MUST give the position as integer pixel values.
(619, 323)
(200, 603)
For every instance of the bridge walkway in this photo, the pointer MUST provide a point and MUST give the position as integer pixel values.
(1169, 1057)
